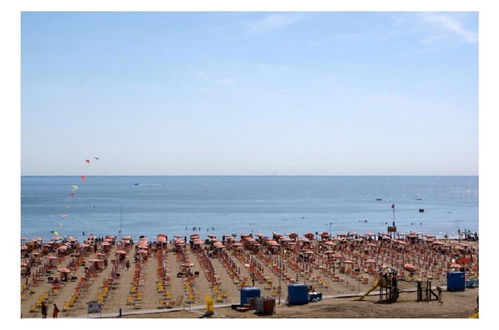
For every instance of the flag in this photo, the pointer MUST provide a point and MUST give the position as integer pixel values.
(393, 206)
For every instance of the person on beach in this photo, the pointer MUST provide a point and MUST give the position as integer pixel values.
(55, 312)
(127, 265)
(44, 310)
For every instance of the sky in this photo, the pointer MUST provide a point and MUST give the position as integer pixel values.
(249, 93)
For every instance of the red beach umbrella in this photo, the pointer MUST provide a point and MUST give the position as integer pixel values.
(410, 268)
(309, 235)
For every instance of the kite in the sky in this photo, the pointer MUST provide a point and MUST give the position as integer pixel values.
(71, 194)
(96, 158)
(88, 161)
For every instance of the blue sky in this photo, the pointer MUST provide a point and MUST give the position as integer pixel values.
(250, 93)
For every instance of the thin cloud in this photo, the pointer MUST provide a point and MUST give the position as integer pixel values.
(451, 24)
(273, 22)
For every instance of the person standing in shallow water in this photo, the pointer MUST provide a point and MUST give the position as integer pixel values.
(55, 312)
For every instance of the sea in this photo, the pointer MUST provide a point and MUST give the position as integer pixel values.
(221, 205)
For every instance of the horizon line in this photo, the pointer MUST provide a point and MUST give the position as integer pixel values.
(256, 175)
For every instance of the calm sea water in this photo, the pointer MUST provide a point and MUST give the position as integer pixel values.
(245, 204)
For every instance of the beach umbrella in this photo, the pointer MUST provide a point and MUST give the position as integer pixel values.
(187, 264)
(194, 236)
(337, 256)
(62, 248)
(24, 247)
(329, 243)
(369, 234)
(121, 252)
(293, 235)
(260, 235)
(128, 237)
(410, 268)
(273, 243)
(142, 251)
(51, 257)
(218, 245)
(95, 260)
(24, 264)
(105, 243)
(309, 235)
(348, 262)
(63, 270)
(370, 261)
(162, 238)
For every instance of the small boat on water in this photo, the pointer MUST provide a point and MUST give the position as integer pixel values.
(419, 199)
(378, 199)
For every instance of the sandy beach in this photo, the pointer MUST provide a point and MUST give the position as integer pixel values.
(171, 278)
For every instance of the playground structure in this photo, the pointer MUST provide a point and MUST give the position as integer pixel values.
(387, 284)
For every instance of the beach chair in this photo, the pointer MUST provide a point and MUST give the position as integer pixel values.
(179, 301)
(161, 304)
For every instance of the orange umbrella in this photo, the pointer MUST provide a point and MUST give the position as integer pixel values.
(293, 235)
(410, 268)
(309, 235)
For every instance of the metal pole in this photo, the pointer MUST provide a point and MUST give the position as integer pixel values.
(280, 276)
(121, 218)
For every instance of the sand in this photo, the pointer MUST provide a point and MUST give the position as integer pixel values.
(455, 304)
